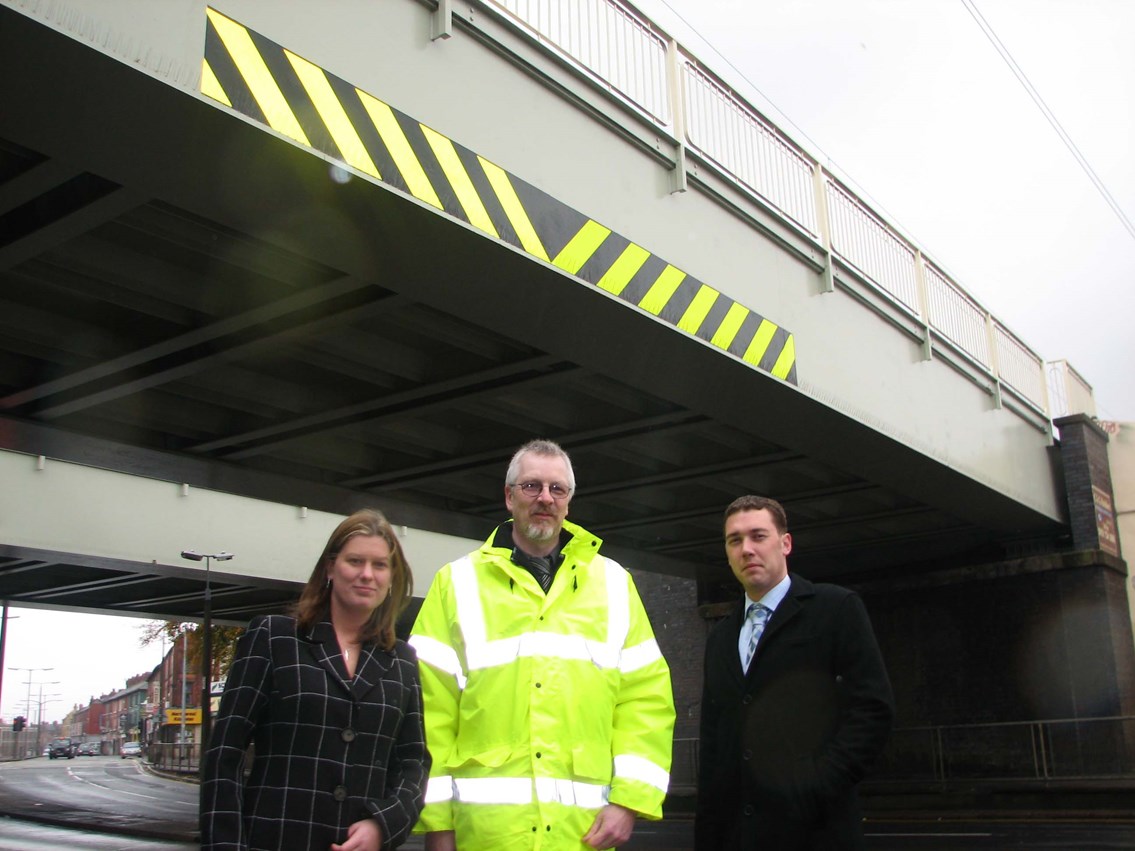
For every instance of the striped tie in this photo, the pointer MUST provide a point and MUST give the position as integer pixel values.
(756, 617)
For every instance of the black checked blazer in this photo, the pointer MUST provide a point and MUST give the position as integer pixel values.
(328, 751)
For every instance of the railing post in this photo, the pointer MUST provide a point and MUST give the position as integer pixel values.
(1042, 750)
(923, 304)
(678, 178)
(823, 224)
(441, 23)
(939, 755)
(994, 359)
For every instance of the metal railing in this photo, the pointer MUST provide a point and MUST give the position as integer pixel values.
(863, 239)
(1068, 392)
(1019, 366)
(626, 53)
(957, 317)
(618, 47)
(173, 757)
(1058, 749)
(741, 142)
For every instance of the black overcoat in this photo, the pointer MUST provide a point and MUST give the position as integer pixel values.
(783, 747)
(328, 751)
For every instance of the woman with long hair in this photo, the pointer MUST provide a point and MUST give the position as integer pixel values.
(330, 701)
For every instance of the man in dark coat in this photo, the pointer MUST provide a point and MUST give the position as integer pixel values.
(784, 743)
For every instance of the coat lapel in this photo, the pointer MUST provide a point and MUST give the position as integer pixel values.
(799, 590)
(374, 662)
(325, 648)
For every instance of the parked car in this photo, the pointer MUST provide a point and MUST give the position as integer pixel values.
(61, 748)
(131, 749)
(90, 749)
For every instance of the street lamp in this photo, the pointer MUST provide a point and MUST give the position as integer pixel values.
(29, 703)
(39, 713)
(207, 652)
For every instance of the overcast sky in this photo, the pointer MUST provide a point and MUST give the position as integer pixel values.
(911, 100)
(90, 655)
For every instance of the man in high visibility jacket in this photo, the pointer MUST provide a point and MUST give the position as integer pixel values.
(548, 707)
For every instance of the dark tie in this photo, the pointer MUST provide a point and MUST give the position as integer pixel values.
(542, 568)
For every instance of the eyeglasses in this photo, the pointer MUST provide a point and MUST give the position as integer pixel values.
(534, 489)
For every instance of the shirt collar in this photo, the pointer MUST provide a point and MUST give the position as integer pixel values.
(774, 596)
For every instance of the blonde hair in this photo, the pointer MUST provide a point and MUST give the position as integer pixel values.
(314, 603)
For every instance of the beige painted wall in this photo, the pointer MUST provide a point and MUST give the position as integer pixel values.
(57, 505)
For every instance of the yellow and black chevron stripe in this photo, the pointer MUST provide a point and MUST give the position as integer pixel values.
(274, 86)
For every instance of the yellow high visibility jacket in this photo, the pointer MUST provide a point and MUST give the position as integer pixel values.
(540, 709)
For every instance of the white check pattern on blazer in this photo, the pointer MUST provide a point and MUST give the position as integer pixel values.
(328, 751)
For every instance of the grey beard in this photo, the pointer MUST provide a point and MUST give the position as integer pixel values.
(538, 532)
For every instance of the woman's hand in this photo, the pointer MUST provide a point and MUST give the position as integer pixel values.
(361, 836)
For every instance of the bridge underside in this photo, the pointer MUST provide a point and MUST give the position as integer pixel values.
(186, 296)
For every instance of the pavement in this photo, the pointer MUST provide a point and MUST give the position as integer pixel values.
(14, 804)
(1101, 801)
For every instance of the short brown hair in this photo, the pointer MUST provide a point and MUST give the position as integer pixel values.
(758, 503)
(315, 600)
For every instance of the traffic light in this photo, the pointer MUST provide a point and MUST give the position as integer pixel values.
(18, 723)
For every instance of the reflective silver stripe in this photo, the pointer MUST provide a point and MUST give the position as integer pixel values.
(489, 654)
(439, 655)
(522, 790)
(571, 793)
(493, 790)
(639, 656)
(469, 613)
(634, 767)
(554, 644)
(482, 653)
(439, 789)
(618, 607)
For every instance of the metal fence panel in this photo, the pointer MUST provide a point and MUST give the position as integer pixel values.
(1019, 366)
(607, 39)
(956, 316)
(727, 131)
(1060, 749)
(868, 244)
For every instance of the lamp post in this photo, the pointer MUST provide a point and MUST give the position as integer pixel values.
(39, 714)
(207, 647)
(29, 703)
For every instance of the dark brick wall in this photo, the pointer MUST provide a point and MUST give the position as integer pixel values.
(1041, 638)
(1083, 456)
(672, 605)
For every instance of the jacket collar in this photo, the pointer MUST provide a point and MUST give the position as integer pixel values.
(800, 590)
(373, 661)
(575, 541)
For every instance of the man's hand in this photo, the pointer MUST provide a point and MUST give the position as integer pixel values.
(612, 827)
(441, 840)
(361, 836)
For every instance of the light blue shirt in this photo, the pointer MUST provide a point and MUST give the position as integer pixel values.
(770, 600)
